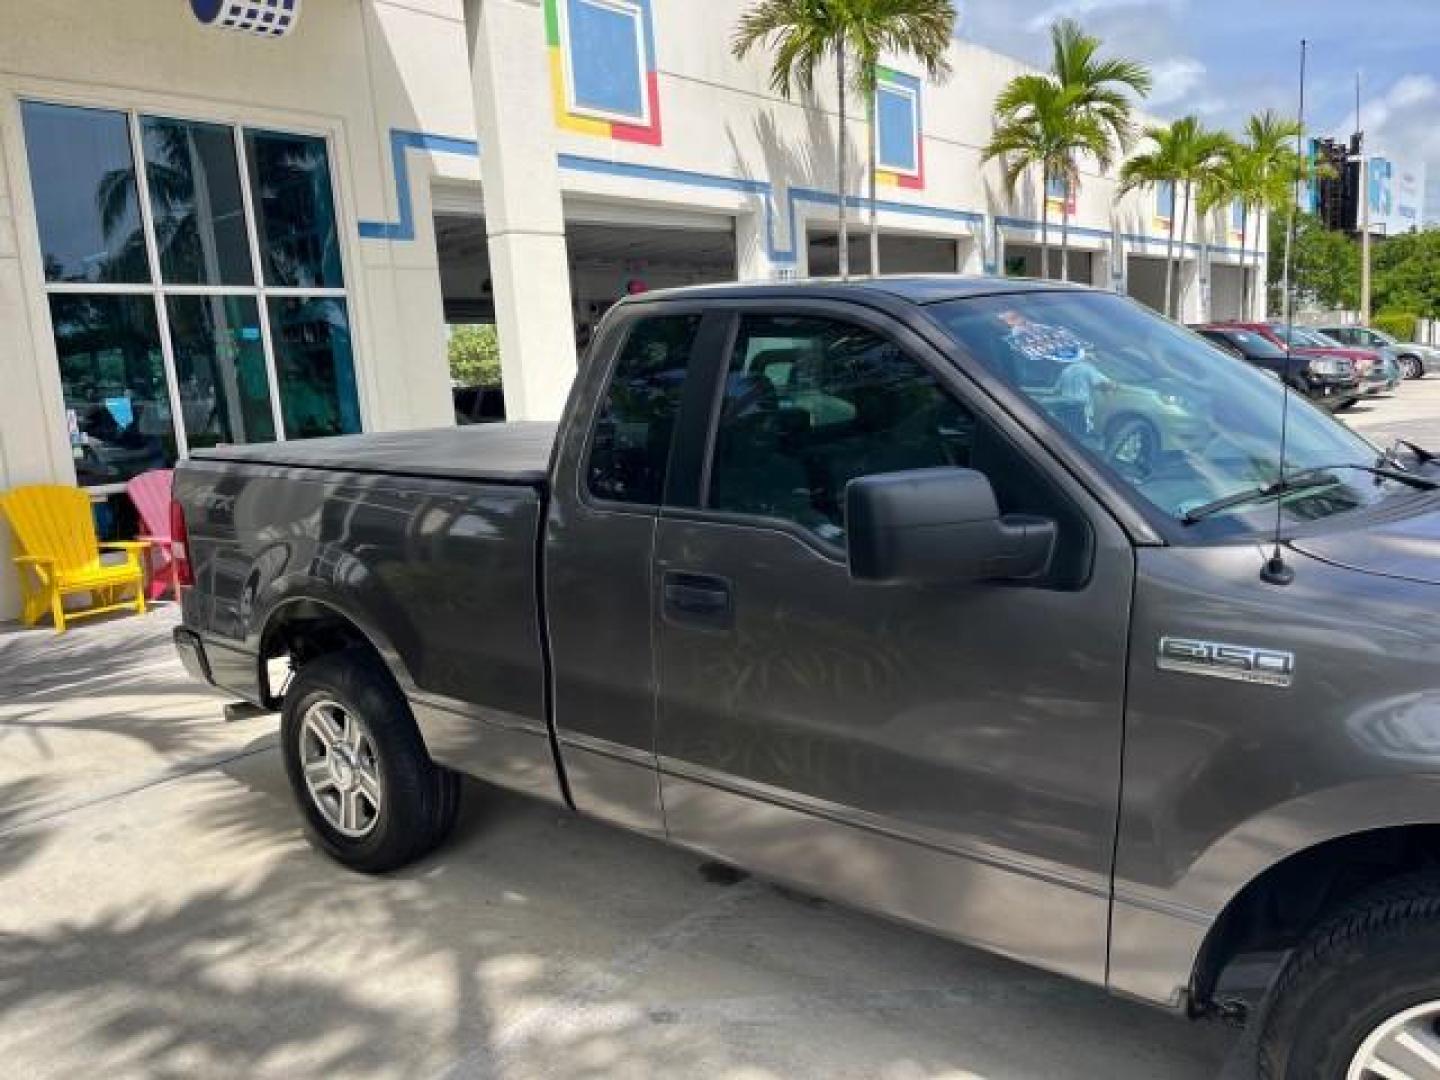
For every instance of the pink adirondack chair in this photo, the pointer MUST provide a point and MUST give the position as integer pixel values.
(150, 492)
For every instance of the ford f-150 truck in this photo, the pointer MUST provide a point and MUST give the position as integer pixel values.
(1010, 610)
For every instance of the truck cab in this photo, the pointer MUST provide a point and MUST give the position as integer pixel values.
(1006, 609)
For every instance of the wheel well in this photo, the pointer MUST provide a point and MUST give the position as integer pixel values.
(1276, 910)
(301, 632)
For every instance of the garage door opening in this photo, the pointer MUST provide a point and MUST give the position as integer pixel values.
(900, 253)
(1227, 291)
(1145, 280)
(610, 261)
(1024, 260)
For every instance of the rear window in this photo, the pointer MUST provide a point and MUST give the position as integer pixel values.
(630, 443)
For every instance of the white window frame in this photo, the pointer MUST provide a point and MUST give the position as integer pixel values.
(636, 14)
(158, 290)
(882, 86)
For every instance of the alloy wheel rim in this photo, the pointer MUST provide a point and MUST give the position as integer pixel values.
(1404, 1047)
(341, 768)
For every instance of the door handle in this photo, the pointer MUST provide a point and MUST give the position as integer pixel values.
(698, 598)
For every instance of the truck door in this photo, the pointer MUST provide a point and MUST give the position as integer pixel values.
(614, 451)
(947, 755)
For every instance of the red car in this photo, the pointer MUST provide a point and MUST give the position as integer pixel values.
(1358, 361)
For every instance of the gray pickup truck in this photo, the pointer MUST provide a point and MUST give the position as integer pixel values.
(986, 605)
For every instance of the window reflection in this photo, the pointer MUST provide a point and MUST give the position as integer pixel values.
(220, 366)
(86, 202)
(315, 366)
(196, 204)
(113, 376)
(294, 209)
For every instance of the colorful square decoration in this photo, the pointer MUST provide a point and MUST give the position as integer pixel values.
(602, 68)
(1057, 195)
(899, 127)
(1164, 203)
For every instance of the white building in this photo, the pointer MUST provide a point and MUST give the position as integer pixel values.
(227, 220)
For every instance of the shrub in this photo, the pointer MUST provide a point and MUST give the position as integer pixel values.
(1398, 324)
(475, 355)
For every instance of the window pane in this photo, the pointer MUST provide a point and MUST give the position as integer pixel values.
(315, 366)
(113, 376)
(811, 404)
(86, 203)
(895, 118)
(631, 441)
(294, 209)
(195, 202)
(220, 364)
(605, 51)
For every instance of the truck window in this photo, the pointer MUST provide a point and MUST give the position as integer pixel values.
(810, 404)
(630, 443)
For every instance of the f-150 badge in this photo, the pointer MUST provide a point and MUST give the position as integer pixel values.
(1270, 667)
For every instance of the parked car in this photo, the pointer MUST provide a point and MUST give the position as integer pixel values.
(1328, 381)
(1416, 361)
(478, 404)
(1369, 364)
(1378, 370)
(906, 634)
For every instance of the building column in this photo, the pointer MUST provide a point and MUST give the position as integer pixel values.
(524, 217)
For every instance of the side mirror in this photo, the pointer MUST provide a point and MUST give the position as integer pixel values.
(940, 525)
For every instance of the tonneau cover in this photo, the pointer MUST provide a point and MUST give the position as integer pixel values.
(516, 453)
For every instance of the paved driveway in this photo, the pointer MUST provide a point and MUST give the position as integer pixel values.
(1411, 412)
(161, 915)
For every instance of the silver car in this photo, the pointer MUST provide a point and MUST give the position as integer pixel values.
(1416, 361)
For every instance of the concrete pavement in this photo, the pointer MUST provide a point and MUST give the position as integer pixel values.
(162, 916)
(1411, 412)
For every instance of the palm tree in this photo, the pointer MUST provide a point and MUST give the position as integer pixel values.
(805, 33)
(1267, 170)
(1218, 186)
(1041, 124)
(1182, 154)
(918, 28)
(1104, 86)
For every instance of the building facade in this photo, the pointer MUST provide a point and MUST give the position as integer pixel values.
(239, 220)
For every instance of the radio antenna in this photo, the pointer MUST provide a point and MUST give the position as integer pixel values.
(1276, 571)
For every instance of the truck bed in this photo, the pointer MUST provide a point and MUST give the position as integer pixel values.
(513, 453)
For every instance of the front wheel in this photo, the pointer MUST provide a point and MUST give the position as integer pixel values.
(1411, 367)
(1360, 998)
(372, 798)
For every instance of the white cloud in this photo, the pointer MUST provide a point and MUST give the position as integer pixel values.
(1078, 9)
(1174, 80)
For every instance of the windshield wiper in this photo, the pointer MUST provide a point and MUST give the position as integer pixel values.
(1316, 476)
(1423, 456)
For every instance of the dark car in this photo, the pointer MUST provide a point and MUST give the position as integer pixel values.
(852, 586)
(1328, 381)
(478, 404)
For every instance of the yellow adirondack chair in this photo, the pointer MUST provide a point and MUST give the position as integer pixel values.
(59, 556)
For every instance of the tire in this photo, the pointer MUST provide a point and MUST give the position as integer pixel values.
(1351, 982)
(1411, 367)
(373, 800)
(1348, 403)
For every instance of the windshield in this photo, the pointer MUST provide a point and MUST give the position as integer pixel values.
(1299, 338)
(1161, 409)
(1260, 348)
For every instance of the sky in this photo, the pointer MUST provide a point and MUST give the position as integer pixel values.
(1226, 59)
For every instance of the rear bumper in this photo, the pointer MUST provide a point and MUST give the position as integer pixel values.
(192, 654)
(223, 666)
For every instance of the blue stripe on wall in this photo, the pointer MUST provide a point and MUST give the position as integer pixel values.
(404, 228)
(401, 141)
